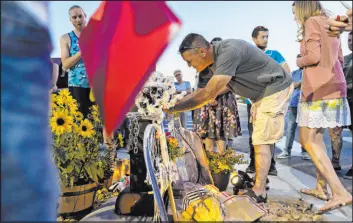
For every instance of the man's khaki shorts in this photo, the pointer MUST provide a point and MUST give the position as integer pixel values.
(268, 116)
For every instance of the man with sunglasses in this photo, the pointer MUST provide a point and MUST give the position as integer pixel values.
(248, 72)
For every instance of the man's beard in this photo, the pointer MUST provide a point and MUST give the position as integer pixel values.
(261, 47)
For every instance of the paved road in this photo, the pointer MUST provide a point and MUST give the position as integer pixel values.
(241, 144)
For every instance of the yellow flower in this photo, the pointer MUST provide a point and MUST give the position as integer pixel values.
(316, 105)
(64, 93)
(121, 140)
(86, 129)
(54, 106)
(61, 100)
(53, 98)
(78, 115)
(333, 104)
(60, 122)
(73, 105)
(76, 128)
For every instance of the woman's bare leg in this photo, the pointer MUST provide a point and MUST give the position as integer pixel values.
(312, 141)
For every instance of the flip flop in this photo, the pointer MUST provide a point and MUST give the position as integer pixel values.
(339, 205)
(315, 193)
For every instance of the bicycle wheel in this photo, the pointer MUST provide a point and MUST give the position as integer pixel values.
(157, 164)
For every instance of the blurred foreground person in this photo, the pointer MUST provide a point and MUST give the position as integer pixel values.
(28, 176)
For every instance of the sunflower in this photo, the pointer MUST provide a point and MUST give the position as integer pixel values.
(86, 129)
(76, 128)
(60, 122)
(73, 106)
(95, 113)
(53, 98)
(78, 116)
(62, 100)
(95, 110)
(64, 93)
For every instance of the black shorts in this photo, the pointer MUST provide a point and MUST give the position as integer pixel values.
(82, 97)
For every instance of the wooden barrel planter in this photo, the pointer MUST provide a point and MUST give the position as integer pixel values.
(77, 200)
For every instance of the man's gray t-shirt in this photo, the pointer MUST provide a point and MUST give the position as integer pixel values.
(254, 74)
(204, 77)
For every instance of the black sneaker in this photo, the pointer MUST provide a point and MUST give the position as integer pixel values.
(348, 175)
(250, 168)
(273, 171)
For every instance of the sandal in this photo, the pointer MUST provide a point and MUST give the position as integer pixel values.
(315, 193)
(257, 199)
(338, 205)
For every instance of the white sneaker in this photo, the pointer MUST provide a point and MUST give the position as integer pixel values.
(305, 156)
(284, 155)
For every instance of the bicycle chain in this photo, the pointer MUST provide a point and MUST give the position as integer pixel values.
(134, 129)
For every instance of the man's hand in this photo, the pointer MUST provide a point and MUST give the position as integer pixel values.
(169, 111)
(335, 26)
(213, 102)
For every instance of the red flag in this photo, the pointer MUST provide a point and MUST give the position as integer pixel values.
(120, 48)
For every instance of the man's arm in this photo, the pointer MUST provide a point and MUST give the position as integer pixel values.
(192, 94)
(312, 41)
(203, 96)
(68, 61)
(280, 59)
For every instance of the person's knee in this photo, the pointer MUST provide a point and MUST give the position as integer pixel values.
(262, 150)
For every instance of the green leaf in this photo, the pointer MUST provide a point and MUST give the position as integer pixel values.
(69, 168)
(94, 175)
(100, 173)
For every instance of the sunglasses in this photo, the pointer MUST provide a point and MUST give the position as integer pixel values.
(185, 48)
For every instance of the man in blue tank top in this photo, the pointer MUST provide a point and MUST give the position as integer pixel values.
(78, 79)
(71, 60)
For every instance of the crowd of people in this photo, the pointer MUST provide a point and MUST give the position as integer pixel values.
(238, 66)
(317, 96)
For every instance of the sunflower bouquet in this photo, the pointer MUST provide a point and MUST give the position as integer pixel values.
(76, 141)
(225, 162)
